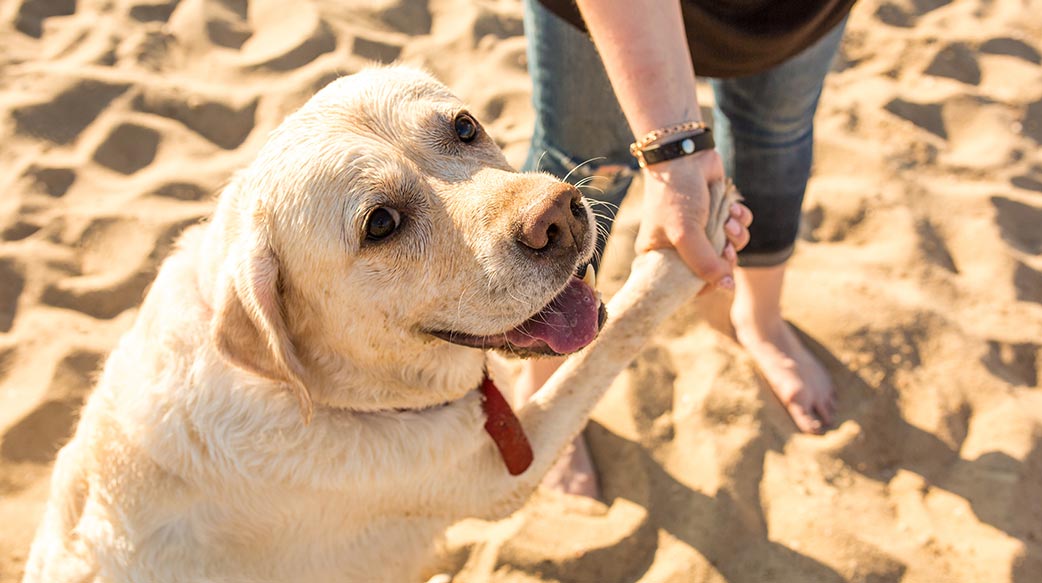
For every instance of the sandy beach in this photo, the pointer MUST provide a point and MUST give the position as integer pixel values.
(917, 280)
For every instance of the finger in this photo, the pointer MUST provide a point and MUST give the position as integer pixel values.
(696, 251)
(736, 233)
(731, 255)
(741, 213)
(733, 228)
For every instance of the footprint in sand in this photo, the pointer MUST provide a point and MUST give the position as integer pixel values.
(52, 181)
(32, 13)
(1014, 362)
(200, 23)
(186, 191)
(1011, 47)
(129, 147)
(1028, 283)
(61, 117)
(837, 210)
(157, 12)
(19, 230)
(1032, 121)
(925, 115)
(905, 13)
(956, 61)
(1019, 224)
(286, 36)
(1032, 180)
(411, 17)
(230, 34)
(894, 15)
(497, 25)
(933, 246)
(118, 259)
(39, 435)
(145, 48)
(625, 529)
(218, 119)
(377, 50)
(12, 282)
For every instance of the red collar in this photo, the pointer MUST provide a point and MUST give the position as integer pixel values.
(505, 429)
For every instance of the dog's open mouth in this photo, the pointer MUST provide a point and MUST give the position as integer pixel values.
(567, 324)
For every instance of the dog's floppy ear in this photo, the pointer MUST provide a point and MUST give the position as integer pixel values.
(249, 327)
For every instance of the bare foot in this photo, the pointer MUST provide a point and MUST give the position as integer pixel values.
(573, 473)
(797, 378)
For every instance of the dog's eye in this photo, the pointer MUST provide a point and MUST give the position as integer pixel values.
(381, 222)
(466, 127)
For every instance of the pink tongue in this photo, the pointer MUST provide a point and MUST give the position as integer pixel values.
(566, 325)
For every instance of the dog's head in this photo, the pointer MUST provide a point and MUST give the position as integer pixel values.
(381, 241)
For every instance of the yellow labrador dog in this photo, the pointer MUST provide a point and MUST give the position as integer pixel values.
(303, 396)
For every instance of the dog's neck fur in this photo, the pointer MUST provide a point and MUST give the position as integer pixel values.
(421, 375)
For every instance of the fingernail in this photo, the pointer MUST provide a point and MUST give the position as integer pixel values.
(735, 209)
(732, 227)
(727, 282)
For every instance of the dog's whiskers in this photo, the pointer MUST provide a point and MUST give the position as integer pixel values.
(585, 186)
(539, 162)
(567, 176)
(598, 203)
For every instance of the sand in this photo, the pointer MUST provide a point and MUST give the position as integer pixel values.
(917, 280)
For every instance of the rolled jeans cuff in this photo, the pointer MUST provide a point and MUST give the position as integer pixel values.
(765, 258)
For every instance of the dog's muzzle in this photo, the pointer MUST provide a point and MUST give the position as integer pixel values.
(568, 323)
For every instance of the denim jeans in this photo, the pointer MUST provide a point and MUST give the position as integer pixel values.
(763, 125)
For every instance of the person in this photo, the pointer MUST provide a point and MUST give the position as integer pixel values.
(608, 72)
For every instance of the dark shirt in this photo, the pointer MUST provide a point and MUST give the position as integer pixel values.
(731, 38)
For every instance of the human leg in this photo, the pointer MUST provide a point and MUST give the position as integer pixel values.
(581, 136)
(764, 126)
(795, 376)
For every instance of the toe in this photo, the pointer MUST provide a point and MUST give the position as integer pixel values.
(824, 412)
(833, 406)
(805, 421)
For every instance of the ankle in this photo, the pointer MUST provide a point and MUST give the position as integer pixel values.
(751, 324)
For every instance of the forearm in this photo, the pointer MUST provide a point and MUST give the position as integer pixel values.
(644, 49)
(643, 46)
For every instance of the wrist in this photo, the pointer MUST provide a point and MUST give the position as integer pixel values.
(699, 162)
(686, 174)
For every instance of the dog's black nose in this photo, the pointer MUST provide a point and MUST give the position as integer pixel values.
(556, 220)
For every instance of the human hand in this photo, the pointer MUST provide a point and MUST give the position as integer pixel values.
(676, 210)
